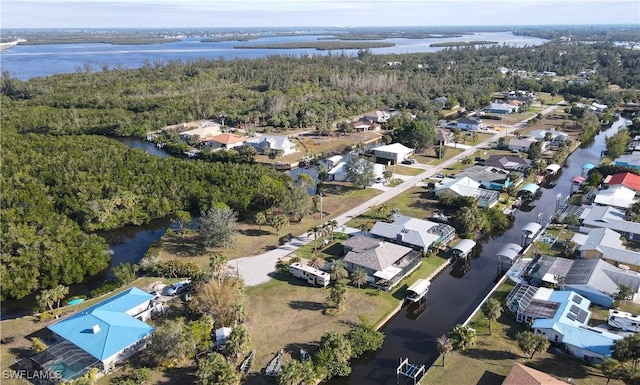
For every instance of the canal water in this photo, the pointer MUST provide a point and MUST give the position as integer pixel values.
(454, 295)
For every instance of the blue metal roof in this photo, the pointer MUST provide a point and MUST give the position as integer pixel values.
(588, 166)
(105, 328)
(531, 187)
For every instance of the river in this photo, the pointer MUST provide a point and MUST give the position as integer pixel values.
(29, 61)
(454, 295)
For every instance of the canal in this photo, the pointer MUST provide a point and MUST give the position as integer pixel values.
(454, 295)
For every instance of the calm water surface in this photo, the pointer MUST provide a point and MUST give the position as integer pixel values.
(28, 61)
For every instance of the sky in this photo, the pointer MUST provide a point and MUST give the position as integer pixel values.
(310, 13)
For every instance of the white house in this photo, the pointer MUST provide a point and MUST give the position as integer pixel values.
(266, 144)
(616, 196)
(523, 145)
(395, 152)
(550, 135)
(501, 108)
(376, 116)
(468, 124)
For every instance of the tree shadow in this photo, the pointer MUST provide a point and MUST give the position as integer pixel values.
(254, 232)
(489, 354)
(178, 376)
(306, 305)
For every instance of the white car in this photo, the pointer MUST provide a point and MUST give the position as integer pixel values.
(179, 287)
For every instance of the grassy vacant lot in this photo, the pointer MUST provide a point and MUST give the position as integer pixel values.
(253, 239)
(490, 361)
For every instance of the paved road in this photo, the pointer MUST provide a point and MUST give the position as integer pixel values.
(260, 268)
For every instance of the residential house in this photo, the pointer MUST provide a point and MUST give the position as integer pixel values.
(385, 263)
(509, 162)
(550, 135)
(524, 144)
(606, 244)
(362, 126)
(501, 108)
(376, 116)
(627, 179)
(443, 137)
(490, 177)
(465, 124)
(395, 152)
(628, 160)
(225, 141)
(339, 172)
(563, 317)
(416, 233)
(466, 187)
(616, 196)
(267, 144)
(441, 101)
(611, 218)
(100, 336)
(594, 279)
(523, 375)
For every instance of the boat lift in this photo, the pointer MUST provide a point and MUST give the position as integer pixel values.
(409, 370)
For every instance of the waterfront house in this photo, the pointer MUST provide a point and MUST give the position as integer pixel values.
(595, 279)
(524, 144)
(339, 172)
(100, 336)
(490, 177)
(562, 317)
(385, 263)
(612, 218)
(509, 162)
(501, 108)
(268, 144)
(627, 179)
(394, 153)
(616, 196)
(416, 233)
(225, 141)
(628, 160)
(362, 126)
(466, 187)
(521, 374)
(550, 135)
(606, 244)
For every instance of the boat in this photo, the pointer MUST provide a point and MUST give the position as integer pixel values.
(304, 355)
(275, 365)
(246, 363)
(418, 290)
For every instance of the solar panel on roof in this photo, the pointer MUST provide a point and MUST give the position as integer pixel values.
(577, 299)
(574, 309)
(571, 316)
(582, 316)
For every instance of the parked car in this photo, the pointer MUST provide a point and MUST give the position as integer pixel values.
(179, 287)
(379, 180)
(409, 161)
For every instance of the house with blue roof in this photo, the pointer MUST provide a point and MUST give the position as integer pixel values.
(563, 317)
(101, 336)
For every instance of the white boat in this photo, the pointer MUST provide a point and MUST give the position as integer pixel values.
(304, 355)
(275, 365)
(418, 290)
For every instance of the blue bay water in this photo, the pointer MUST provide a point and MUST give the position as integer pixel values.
(28, 61)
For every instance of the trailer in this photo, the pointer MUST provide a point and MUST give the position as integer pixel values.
(310, 274)
(624, 321)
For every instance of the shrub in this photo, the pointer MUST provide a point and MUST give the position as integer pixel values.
(37, 346)
(104, 289)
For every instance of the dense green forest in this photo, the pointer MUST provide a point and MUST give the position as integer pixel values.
(63, 179)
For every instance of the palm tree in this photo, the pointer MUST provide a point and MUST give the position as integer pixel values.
(339, 270)
(444, 346)
(364, 228)
(492, 309)
(45, 300)
(218, 265)
(317, 261)
(332, 225)
(278, 222)
(261, 219)
(359, 277)
(314, 232)
(463, 337)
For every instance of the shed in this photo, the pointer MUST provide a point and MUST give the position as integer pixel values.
(221, 336)
(463, 248)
